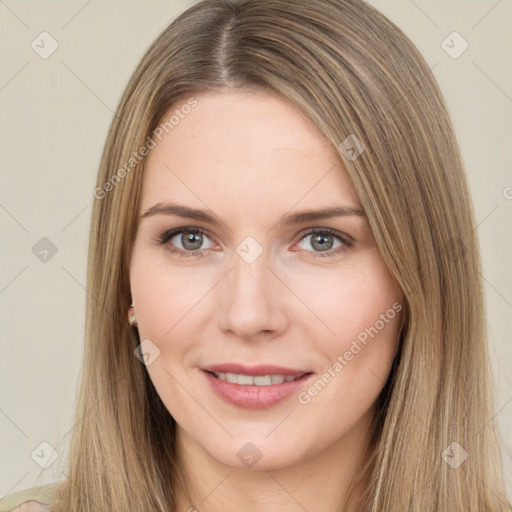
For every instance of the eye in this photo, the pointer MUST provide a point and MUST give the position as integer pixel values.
(185, 241)
(324, 242)
(188, 241)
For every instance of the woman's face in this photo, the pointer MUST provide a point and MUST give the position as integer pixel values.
(261, 293)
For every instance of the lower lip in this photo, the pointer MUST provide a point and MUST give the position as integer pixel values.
(255, 397)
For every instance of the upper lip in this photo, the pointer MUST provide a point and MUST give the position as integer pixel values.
(260, 369)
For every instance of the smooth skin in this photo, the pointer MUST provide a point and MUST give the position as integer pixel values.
(251, 159)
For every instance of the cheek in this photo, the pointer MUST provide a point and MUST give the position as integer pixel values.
(352, 300)
(166, 299)
(361, 314)
(365, 313)
(167, 302)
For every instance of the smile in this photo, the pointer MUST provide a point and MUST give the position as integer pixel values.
(255, 391)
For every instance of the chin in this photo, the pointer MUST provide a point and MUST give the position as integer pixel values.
(257, 453)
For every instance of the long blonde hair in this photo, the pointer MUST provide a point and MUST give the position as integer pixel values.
(354, 74)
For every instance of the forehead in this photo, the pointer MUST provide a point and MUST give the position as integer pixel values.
(243, 145)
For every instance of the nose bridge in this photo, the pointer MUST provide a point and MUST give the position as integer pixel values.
(250, 304)
(250, 276)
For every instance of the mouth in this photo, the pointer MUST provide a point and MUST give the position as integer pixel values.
(259, 388)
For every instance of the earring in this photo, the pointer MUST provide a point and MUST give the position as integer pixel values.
(132, 319)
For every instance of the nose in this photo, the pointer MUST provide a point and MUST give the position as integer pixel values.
(252, 300)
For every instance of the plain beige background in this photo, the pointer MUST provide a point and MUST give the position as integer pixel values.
(55, 116)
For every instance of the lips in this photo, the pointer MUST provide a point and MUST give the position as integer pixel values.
(255, 387)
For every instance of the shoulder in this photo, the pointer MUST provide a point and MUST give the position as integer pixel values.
(35, 499)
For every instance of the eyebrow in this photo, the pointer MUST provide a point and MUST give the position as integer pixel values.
(291, 219)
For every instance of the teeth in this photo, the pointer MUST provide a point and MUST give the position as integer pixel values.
(244, 380)
(258, 380)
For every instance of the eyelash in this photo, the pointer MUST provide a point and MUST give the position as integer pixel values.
(344, 239)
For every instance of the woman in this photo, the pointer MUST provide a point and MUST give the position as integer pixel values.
(281, 210)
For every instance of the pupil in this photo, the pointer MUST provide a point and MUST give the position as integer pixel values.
(321, 240)
(191, 238)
